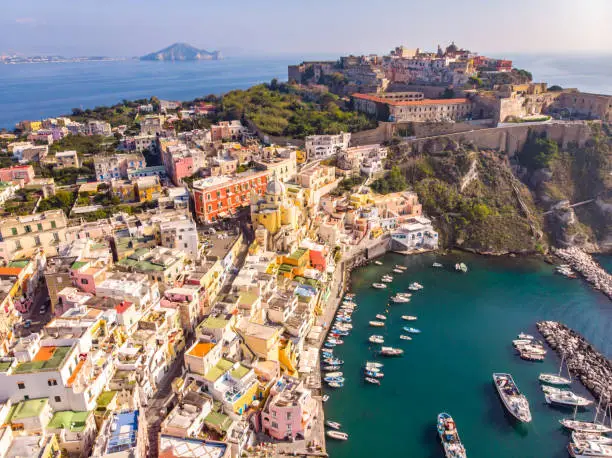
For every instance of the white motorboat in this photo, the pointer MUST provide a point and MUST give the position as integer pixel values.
(390, 351)
(336, 384)
(379, 285)
(437, 264)
(338, 435)
(550, 389)
(386, 279)
(333, 424)
(589, 450)
(334, 374)
(522, 335)
(374, 364)
(414, 286)
(553, 379)
(409, 317)
(377, 324)
(585, 426)
(325, 398)
(400, 267)
(515, 402)
(372, 369)
(591, 437)
(534, 349)
(381, 317)
(378, 263)
(521, 342)
(405, 337)
(398, 271)
(377, 339)
(373, 381)
(566, 398)
(400, 299)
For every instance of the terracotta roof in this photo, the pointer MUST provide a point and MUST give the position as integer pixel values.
(10, 271)
(422, 102)
(123, 306)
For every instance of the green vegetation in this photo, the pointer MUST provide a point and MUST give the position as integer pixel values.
(555, 88)
(66, 176)
(62, 199)
(22, 203)
(84, 144)
(474, 81)
(524, 74)
(52, 363)
(538, 152)
(119, 114)
(450, 93)
(288, 110)
(349, 183)
(394, 181)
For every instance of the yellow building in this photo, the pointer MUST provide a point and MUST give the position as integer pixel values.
(300, 156)
(360, 200)
(124, 190)
(148, 188)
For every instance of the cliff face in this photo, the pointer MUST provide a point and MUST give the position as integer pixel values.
(488, 202)
(182, 52)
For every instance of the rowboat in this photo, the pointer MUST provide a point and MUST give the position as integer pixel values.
(333, 424)
(377, 324)
(338, 435)
(334, 374)
(373, 381)
(334, 379)
(409, 317)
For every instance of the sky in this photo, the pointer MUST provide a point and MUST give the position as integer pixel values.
(309, 27)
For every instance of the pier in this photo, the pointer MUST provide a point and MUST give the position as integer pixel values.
(588, 267)
(583, 361)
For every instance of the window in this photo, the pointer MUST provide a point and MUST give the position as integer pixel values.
(84, 281)
(52, 382)
(56, 236)
(21, 385)
(14, 230)
(28, 228)
(37, 240)
(53, 225)
(288, 415)
(57, 399)
(210, 208)
(274, 413)
(208, 196)
(274, 425)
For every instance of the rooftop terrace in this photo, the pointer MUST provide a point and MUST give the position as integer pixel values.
(47, 359)
(69, 419)
(123, 432)
(27, 409)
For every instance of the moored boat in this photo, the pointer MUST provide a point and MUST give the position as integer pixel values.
(585, 426)
(461, 267)
(374, 374)
(378, 263)
(390, 351)
(404, 337)
(398, 271)
(447, 431)
(338, 435)
(400, 267)
(409, 317)
(376, 339)
(325, 398)
(515, 402)
(336, 384)
(377, 324)
(591, 437)
(379, 285)
(334, 374)
(381, 317)
(400, 299)
(554, 379)
(588, 449)
(374, 364)
(373, 381)
(333, 424)
(411, 330)
(437, 264)
(334, 379)
(386, 279)
(522, 335)
(331, 368)
(566, 398)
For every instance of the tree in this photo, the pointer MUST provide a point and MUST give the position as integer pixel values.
(555, 88)
(394, 181)
(475, 81)
(448, 93)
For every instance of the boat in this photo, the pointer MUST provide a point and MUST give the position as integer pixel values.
(374, 374)
(530, 356)
(414, 286)
(373, 381)
(553, 379)
(398, 271)
(412, 330)
(329, 344)
(339, 332)
(400, 299)
(336, 384)
(334, 361)
(374, 364)
(461, 267)
(390, 351)
(437, 264)
(585, 426)
(591, 437)
(335, 341)
(334, 379)
(521, 342)
(409, 318)
(379, 285)
(331, 368)
(338, 435)
(589, 450)
(381, 317)
(333, 424)
(334, 374)
(377, 324)
(325, 398)
(349, 304)
(372, 369)
(532, 349)
(551, 389)
(350, 296)
(378, 263)
(386, 279)
(566, 271)
(515, 402)
(404, 337)
(376, 339)
(566, 398)
(400, 267)
(447, 431)
(525, 336)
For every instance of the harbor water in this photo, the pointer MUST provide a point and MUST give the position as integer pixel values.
(468, 322)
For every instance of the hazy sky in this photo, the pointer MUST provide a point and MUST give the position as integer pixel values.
(135, 27)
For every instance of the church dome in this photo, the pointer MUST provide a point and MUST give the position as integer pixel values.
(275, 187)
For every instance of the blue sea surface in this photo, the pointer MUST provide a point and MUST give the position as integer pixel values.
(34, 91)
(468, 322)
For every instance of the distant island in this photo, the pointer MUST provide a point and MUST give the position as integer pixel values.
(183, 52)
(18, 59)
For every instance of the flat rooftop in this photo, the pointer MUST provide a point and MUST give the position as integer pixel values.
(123, 432)
(69, 419)
(47, 359)
(176, 447)
(27, 409)
(201, 349)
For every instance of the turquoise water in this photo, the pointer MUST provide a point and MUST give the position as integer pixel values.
(605, 260)
(468, 323)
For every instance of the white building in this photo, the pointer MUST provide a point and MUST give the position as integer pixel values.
(181, 234)
(418, 232)
(324, 146)
(132, 287)
(99, 128)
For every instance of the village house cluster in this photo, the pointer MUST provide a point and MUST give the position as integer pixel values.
(190, 328)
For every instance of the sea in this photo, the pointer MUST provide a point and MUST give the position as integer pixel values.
(35, 91)
(468, 322)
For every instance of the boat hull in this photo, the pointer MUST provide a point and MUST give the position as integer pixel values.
(526, 418)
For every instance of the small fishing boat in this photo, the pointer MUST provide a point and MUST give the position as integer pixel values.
(331, 368)
(336, 384)
(334, 379)
(376, 339)
(377, 324)
(325, 398)
(374, 364)
(329, 344)
(400, 267)
(386, 279)
(591, 437)
(349, 304)
(532, 349)
(437, 264)
(447, 431)
(338, 332)
(515, 402)
(400, 299)
(334, 374)
(566, 398)
(461, 267)
(373, 381)
(374, 374)
(530, 356)
(372, 369)
(585, 426)
(412, 330)
(334, 361)
(333, 424)
(350, 296)
(550, 389)
(525, 336)
(378, 263)
(390, 351)
(554, 379)
(404, 337)
(338, 435)
(398, 271)
(381, 317)
(409, 317)
(379, 285)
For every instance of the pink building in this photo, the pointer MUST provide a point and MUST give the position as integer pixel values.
(187, 301)
(24, 173)
(182, 168)
(288, 411)
(87, 274)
